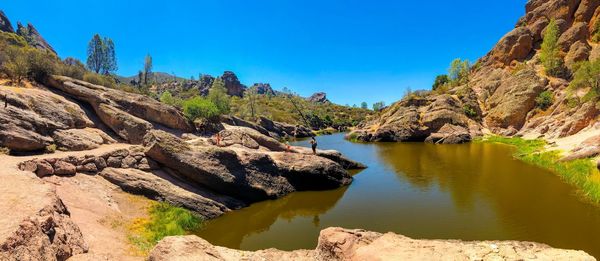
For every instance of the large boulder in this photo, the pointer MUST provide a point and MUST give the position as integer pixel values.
(587, 149)
(516, 45)
(81, 139)
(356, 244)
(263, 89)
(513, 99)
(158, 188)
(577, 32)
(248, 175)
(281, 130)
(127, 126)
(319, 97)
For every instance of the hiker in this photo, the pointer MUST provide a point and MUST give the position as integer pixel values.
(313, 144)
(5, 100)
(218, 139)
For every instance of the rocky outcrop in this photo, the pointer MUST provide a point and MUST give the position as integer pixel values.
(319, 97)
(129, 115)
(162, 189)
(263, 89)
(516, 45)
(347, 244)
(587, 149)
(232, 84)
(33, 37)
(5, 25)
(281, 130)
(32, 116)
(81, 139)
(246, 175)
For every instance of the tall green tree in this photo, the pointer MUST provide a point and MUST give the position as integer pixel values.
(440, 80)
(378, 106)
(459, 71)
(364, 105)
(110, 59)
(217, 94)
(147, 69)
(95, 54)
(550, 51)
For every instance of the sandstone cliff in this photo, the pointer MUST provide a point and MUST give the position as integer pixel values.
(501, 92)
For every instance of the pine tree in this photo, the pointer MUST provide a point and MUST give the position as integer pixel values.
(147, 69)
(110, 60)
(218, 95)
(550, 51)
(95, 54)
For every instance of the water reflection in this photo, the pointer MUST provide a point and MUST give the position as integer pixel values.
(470, 191)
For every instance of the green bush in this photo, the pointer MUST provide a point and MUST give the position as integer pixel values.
(596, 35)
(550, 51)
(104, 80)
(587, 75)
(470, 112)
(167, 98)
(12, 39)
(73, 68)
(544, 100)
(41, 64)
(16, 64)
(198, 107)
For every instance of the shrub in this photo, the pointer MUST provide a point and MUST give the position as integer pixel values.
(587, 75)
(469, 111)
(12, 39)
(73, 68)
(16, 65)
(550, 51)
(198, 107)
(167, 98)
(458, 72)
(596, 34)
(440, 80)
(41, 64)
(544, 100)
(104, 80)
(218, 96)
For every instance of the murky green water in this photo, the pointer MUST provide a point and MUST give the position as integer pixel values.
(469, 192)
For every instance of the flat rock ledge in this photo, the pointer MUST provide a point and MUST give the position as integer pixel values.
(345, 244)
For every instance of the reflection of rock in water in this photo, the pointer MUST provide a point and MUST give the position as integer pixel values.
(230, 229)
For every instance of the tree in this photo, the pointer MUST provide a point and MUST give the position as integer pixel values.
(459, 71)
(217, 94)
(110, 59)
(95, 54)
(587, 75)
(440, 80)
(550, 51)
(147, 69)
(364, 105)
(101, 56)
(140, 78)
(17, 65)
(198, 107)
(378, 105)
(251, 95)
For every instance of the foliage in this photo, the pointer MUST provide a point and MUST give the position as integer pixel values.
(440, 80)
(41, 64)
(550, 50)
(581, 173)
(199, 107)
(104, 80)
(101, 57)
(364, 105)
(218, 95)
(459, 70)
(73, 68)
(12, 39)
(168, 98)
(377, 106)
(544, 100)
(16, 64)
(147, 69)
(587, 75)
(596, 34)
(470, 112)
(164, 220)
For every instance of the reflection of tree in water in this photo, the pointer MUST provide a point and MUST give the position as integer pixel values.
(230, 229)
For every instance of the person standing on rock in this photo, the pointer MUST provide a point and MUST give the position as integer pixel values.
(313, 144)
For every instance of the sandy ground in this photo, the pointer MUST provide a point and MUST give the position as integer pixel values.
(100, 209)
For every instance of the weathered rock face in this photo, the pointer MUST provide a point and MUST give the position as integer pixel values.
(587, 149)
(516, 45)
(418, 118)
(81, 139)
(319, 97)
(204, 84)
(232, 84)
(246, 175)
(31, 116)
(280, 130)
(5, 25)
(346, 244)
(128, 115)
(33, 37)
(263, 89)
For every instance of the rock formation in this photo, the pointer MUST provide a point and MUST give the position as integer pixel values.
(5, 25)
(319, 97)
(33, 37)
(280, 129)
(346, 244)
(232, 84)
(502, 89)
(263, 88)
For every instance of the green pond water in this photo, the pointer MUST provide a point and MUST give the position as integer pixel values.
(468, 192)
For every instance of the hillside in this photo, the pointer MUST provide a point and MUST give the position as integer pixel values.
(511, 91)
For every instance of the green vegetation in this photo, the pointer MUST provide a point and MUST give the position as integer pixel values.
(470, 112)
(104, 80)
(364, 105)
(19, 61)
(581, 173)
(101, 56)
(168, 98)
(458, 72)
(440, 80)
(587, 75)
(377, 106)
(550, 52)
(544, 100)
(200, 108)
(217, 94)
(164, 220)
(147, 73)
(596, 34)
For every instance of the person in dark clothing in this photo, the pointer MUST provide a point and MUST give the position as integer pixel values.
(313, 144)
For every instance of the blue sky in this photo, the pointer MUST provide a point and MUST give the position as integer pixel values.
(353, 50)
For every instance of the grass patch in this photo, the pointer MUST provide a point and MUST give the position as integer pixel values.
(164, 220)
(580, 173)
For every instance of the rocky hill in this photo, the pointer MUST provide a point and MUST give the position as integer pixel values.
(29, 33)
(503, 90)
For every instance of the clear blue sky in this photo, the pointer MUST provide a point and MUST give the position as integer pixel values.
(353, 50)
